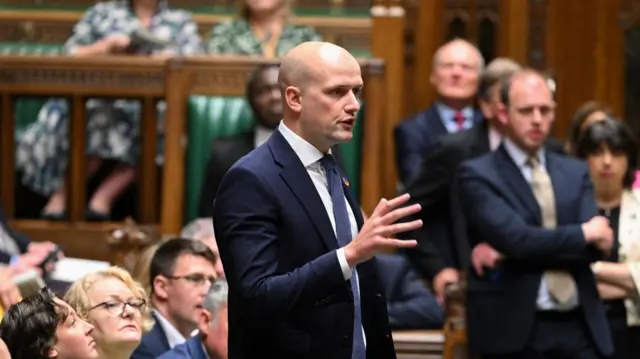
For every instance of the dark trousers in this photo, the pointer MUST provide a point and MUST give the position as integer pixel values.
(557, 335)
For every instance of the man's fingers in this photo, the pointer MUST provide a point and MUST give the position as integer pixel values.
(384, 206)
(479, 268)
(401, 199)
(400, 243)
(402, 227)
(399, 213)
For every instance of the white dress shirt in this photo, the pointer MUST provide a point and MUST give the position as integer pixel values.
(310, 158)
(173, 335)
(545, 301)
(495, 138)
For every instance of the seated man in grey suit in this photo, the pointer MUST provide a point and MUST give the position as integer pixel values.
(211, 341)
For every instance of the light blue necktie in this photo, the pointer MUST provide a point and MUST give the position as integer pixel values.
(344, 235)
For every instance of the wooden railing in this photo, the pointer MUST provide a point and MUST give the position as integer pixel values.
(148, 80)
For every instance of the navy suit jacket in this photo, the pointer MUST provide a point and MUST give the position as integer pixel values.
(153, 344)
(21, 241)
(501, 210)
(409, 303)
(191, 349)
(287, 294)
(414, 136)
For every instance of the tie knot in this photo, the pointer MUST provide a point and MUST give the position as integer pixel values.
(533, 162)
(328, 162)
(459, 118)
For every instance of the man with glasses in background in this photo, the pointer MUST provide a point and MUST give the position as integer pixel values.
(180, 275)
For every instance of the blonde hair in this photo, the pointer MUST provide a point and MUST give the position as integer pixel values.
(77, 296)
(244, 12)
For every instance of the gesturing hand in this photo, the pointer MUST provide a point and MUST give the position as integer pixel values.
(377, 232)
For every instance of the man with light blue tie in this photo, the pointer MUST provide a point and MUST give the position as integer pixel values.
(298, 255)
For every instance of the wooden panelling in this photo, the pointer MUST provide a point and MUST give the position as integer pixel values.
(583, 51)
(54, 27)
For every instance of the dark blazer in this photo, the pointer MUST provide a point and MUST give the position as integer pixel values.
(414, 136)
(153, 344)
(443, 242)
(224, 153)
(287, 294)
(501, 210)
(21, 241)
(409, 303)
(191, 349)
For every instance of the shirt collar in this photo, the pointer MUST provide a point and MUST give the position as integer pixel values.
(307, 153)
(261, 134)
(519, 156)
(448, 114)
(173, 335)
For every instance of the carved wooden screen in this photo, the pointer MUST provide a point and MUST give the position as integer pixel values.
(473, 20)
(630, 23)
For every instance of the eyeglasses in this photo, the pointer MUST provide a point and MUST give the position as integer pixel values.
(197, 279)
(117, 307)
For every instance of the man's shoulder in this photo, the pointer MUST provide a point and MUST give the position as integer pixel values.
(568, 163)
(178, 352)
(416, 118)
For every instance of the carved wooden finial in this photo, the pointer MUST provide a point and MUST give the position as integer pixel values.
(127, 242)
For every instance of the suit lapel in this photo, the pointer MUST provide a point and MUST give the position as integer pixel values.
(434, 122)
(480, 139)
(297, 179)
(513, 178)
(194, 346)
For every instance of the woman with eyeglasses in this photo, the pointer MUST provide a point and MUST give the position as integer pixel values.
(116, 306)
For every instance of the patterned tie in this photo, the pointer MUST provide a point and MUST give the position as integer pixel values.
(460, 119)
(344, 235)
(560, 283)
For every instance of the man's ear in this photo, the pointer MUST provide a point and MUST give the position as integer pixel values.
(293, 98)
(53, 353)
(204, 321)
(160, 284)
(502, 114)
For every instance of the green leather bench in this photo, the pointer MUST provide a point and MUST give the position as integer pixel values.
(215, 117)
(208, 118)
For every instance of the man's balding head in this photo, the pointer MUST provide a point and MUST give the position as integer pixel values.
(456, 68)
(320, 83)
(300, 64)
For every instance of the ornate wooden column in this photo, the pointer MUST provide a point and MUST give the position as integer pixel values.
(513, 37)
(428, 36)
(387, 43)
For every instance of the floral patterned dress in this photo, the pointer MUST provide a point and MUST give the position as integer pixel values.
(113, 126)
(235, 37)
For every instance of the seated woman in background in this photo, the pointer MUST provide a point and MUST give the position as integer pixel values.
(113, 126)
(116, 306)
(611, 153)
(262, 29)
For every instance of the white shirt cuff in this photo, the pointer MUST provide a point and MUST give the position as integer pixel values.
(342, 259)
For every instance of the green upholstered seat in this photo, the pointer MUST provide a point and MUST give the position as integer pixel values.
(215, 117)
